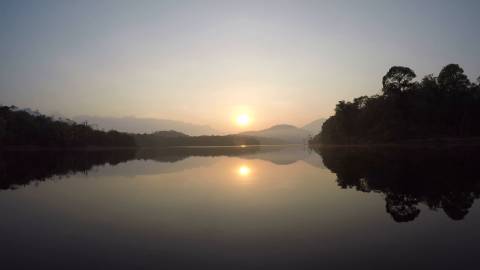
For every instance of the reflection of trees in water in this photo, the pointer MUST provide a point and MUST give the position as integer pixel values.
(447, 179)
(402, 207)
(20, 168)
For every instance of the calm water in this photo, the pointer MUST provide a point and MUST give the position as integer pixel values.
(241, 208)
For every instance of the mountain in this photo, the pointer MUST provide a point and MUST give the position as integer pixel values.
(315, 126)
(285, 133)
(144, 125)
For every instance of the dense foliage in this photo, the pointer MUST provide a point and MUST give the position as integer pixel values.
(24, 128)
(447, 106)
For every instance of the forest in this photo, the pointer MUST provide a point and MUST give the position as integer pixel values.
(436, 107)
(24, 128)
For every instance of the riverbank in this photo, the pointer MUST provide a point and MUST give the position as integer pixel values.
(416, 143)
(102, 148)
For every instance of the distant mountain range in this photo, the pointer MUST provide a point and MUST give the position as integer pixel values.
(144, 125)
(282, 133)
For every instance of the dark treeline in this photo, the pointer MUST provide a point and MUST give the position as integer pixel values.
(20, 128)
(447, 106)
(24, 128)
(440, 178)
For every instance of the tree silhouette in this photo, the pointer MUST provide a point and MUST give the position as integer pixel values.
(452, 78)
(447, 106)
(397, 79)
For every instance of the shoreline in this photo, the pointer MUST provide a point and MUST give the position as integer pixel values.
(104, 148)
(415, 143)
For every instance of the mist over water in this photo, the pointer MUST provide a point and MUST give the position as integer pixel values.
(240, 208)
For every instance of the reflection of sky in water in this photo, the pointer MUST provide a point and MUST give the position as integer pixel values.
(196, 212)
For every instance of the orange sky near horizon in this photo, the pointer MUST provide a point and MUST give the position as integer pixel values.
(207, 62)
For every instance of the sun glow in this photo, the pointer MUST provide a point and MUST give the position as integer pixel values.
(244, 170)
(243, 120)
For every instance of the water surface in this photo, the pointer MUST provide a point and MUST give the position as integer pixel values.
(240, 208)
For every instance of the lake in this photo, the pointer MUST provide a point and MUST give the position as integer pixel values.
(241, 208)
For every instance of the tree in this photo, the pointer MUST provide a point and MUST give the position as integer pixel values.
(24, 128)
(429, 82)
(397, 79)
(436, 107)
(452, 78)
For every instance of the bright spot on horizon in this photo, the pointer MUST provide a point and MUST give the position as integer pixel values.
(244, 170)
(243, 119)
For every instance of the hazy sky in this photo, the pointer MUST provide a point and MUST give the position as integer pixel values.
(206, 61)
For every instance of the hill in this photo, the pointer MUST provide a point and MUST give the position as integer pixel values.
(285, 133)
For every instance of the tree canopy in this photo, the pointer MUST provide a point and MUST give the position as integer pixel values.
(397, 79)
(25, 128)
(447, 106)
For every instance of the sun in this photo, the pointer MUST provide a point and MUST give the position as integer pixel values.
(243, 120)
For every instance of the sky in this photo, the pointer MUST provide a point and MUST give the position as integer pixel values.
(206, 62)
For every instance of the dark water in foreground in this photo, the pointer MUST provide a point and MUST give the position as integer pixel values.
(241, 208)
